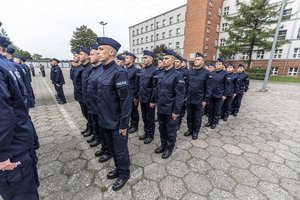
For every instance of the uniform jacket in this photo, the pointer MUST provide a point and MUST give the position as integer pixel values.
(57, 76)
(242, 83)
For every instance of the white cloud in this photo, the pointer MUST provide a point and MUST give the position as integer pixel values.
(46, 26)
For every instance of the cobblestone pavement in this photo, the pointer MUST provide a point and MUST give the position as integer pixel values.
(253, 156)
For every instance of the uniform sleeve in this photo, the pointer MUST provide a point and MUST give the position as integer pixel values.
(235, 83)
(246, 82)
(122, 85)
(226, 86)
(208, 88)
(180, 92)
(154, 92)
(152, 100)
(7, 118)
(137, 85)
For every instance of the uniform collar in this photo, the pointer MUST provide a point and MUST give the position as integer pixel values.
(109, 64)
(87, 64)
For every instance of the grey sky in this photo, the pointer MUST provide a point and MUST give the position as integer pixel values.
(46, 26)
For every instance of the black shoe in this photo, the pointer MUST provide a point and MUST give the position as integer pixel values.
(142, 137)
(195, 136)
(105, 158)
(99, 153)
(188, 133)
(87, 134)
(95, 143)
(207, 124)
(85, 131)
(132, 130)
(213, 126)
(61, 102)
(160, 149)
(235, 114)
(148, 140)
(225, 119)
(92, 139)
(166, 154)
(113, 174)
(119, 184)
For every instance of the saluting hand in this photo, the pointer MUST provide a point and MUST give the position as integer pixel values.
(7, 165)
(123, 132)
(174, 116)
(223, 98)
(152, 105)
(203, 104)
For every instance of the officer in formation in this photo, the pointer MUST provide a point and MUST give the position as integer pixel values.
(18, 172)
(58, 80)
(120, 60)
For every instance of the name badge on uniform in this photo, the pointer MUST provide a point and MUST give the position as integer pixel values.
(181, 81)
(122, 83)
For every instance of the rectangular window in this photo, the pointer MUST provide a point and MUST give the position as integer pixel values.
(178, 31)
(260, 54)
(178, 17)
(278, 53)
(224, 26)
(151, 38)
(226, 10)
(208, 22)
(245, 56)
(146, 29)
(151, 26)
(133, 33)
(222, 42)
(209, 12)
(133, 42)
(137, 41)
(171, 20)
(142, 49)
(293, 71)
(220, 12)
(177, 45)
(133, 51)
(142, 40)
(146, 48)
(207, 30)
(287, 12)
(137, 31)
(170, 33)
(296, 53)
(231, 57)
(164, 22)
(274, 71)
(170, 45)
(157, 36)
(157, 24)
(138, 50)
(207, 39)
(142, 30)
(163, 35)
(147, 39)
(218, 28)
(282, 35)
(216, 42)
(151, 47)
(206, 46)
(298, 36)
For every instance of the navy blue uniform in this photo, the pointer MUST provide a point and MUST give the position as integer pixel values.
(185, 73)
(218, 80)
(230, 90)
(114, 110)
(198, 91)
(16, 141)
(169, 96)
(27, 83)
(242, 87)
(146, 94)
(72, 69)
(58, 81)
(132, 72)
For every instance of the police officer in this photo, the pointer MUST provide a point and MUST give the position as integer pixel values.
(74, 63)
(87, 69)
(198, 94)
(230, 91)
(132, 72)
(145, 95)
(120, 61)
(169, 96)
(242, 88)
(17, 170)
(218, 79)
(114, 109)
(58, 80)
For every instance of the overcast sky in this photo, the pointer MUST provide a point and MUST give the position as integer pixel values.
(46, 26)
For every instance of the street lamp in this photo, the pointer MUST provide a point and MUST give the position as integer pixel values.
(103, 24)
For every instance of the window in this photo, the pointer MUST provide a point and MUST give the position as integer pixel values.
(178, 17)
(226, 10)
(220, 12)
(133, 51)
(163, 35)
(138, 50)
(137, 41)
(245, 56)
(207, 30)
(170, 33)
(142, 30)
(260, 54)
(218, 28)
(151, 47)
(224, 26)
(298, 36)
(208, 22)
(231, 57)
(205, 54)
(293, 71)
(142, 40)
(287, 12)
(133, 33)
(142, 49)
(151, 26)
(296, 53)
(282, 34)
(137, 31)
(146, 48)
(206, 47)
(177, 45)
(171, 20)
(170, 45)
(216, 42)
(147, 39)
(164, 22)
(157, 24)
(133, 42)
(274, 71)
(146, 28)
(178, 31)
(157, 36)
(222, 42)
(209, 12)
(207, 39)
(151, 38)
(278, 53)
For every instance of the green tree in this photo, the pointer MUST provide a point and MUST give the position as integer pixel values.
(250, 28)
(83, 37)
(158, 51)
(23, 53)
(37, 56)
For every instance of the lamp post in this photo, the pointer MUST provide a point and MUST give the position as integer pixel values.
(103, 24)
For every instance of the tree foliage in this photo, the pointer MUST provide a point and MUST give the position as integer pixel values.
(83, 37)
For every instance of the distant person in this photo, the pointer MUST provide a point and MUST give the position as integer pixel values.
(42, 70)
(31, 67)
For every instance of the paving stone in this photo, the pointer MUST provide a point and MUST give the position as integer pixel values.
(48, 157)
(193, 196)
(80, 181)
(172, 187)
(155, 171)
(232, 149)
(101, 180)
(292, 186)
(221, 180)
(60, 195)
(214, 142)
(283, 170)
(255, 159)
(199, 153)
(199, 143)
(193, 181)
(293, 165)
(217, 194)
(52, 184)
(125, 193)
(73, 167)
(248, 148)
(287, 155)
(273, 191)
(290, 143)
(264, 173)
(181, 155)
(243, 176)
(141, 159)
(69, 155)
(198, 166)
(271, 157)
(244, 192)
(216, 151)
(177, 168)
(91, 193)
(136, 174)
(218, 163)
(49, 169)
(145, 189)
(237, 161)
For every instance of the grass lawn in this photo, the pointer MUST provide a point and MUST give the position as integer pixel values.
(284, 79)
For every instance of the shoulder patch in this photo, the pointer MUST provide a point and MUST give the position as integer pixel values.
(122, 83)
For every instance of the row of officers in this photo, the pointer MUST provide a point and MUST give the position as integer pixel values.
(110, 88)
(18, 138)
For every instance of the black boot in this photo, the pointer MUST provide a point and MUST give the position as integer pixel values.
(92, 139)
